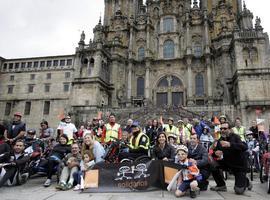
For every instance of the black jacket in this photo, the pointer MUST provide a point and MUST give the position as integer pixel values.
(199, 154)
(168, 152)
(234, 157)
(61, 150)
(4, 152)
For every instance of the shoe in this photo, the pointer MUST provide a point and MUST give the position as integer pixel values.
(250, 186)
(61, 186)
(193, 194)
(68, 186)
(47, 183)
(77, 187)
(219, 188)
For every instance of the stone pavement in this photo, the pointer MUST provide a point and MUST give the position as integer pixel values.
(33, 190)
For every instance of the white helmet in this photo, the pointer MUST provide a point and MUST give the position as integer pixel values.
(182, 148)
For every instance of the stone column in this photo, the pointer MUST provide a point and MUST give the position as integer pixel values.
(130, 66)
(147, 81)
(113, 78)
(209, 81)
(97, 64)
(188, 44)
(190, 81)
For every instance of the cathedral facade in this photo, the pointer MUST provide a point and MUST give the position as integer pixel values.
(204, 56)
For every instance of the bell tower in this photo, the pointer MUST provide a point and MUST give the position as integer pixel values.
(127, 7)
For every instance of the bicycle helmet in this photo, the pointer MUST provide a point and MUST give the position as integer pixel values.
(182, 148)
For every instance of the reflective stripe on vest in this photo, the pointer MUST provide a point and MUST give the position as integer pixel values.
(111, 131)
(137, 141)
(241, 132)
(173, 130)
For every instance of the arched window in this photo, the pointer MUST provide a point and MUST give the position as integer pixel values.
(176, 82)
(163, 82)
(197, 50)
(141, 53)
(169, 91)
(140, 87)
(168, 49)
(199, 83)
(168, 24)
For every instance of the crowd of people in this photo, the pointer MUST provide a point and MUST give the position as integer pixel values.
(200, 147)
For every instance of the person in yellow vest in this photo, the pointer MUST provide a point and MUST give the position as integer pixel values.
(111, 130)
(239, 129)
(170, 128)
(138, 144)
(188, 130)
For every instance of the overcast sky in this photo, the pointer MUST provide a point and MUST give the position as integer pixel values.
(30, 28)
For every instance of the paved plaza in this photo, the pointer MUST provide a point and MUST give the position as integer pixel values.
(33, 190)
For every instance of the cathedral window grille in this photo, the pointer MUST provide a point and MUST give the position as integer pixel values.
(27, 108)
(11, 78)
(23, 65)
(168, 24)
(17, 65)
(10, 89)
(32, 76)
(197, 50)
(141, 53)
(8, 109)
(29, 64)
(67, 74)
(48, 76)
(36, 64)
(140, 87)
(199, 84)
(168, 49)
(163, 83)
(55, 63)
(42, 63)
(69, 62)
(49, 63)
(47, 87)
(66, 87)
(175, 81)
(62, 62)
(46, 108)
(31, 88)
(10, 66)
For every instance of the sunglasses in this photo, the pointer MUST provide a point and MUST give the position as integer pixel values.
(224, 128)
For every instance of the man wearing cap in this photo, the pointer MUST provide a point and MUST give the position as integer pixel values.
(111, 130)
(170, 128)
(138, 143)
(16, 130)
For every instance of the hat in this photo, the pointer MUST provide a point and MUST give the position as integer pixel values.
(172, 135)
(182, 148)
(135, 124)
(248, 132)
(18, 114)
(222, 116)
(180, 121)
(170, 118)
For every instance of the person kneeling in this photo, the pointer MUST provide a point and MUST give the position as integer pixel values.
(187, 178)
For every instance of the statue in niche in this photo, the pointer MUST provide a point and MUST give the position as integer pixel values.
(219, 89)
(121, 93)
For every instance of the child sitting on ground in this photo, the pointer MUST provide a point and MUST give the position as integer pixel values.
(188, 175)
(86, 164)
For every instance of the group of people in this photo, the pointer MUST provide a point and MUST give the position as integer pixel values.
(201, 148)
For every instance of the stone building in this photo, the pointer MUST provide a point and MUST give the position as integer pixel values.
(205, 56)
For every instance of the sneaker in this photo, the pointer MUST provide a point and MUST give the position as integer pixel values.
(68, 186)
(61, 186)
(193, 194)
(77, 187)
(47, 183)
(219, 188)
